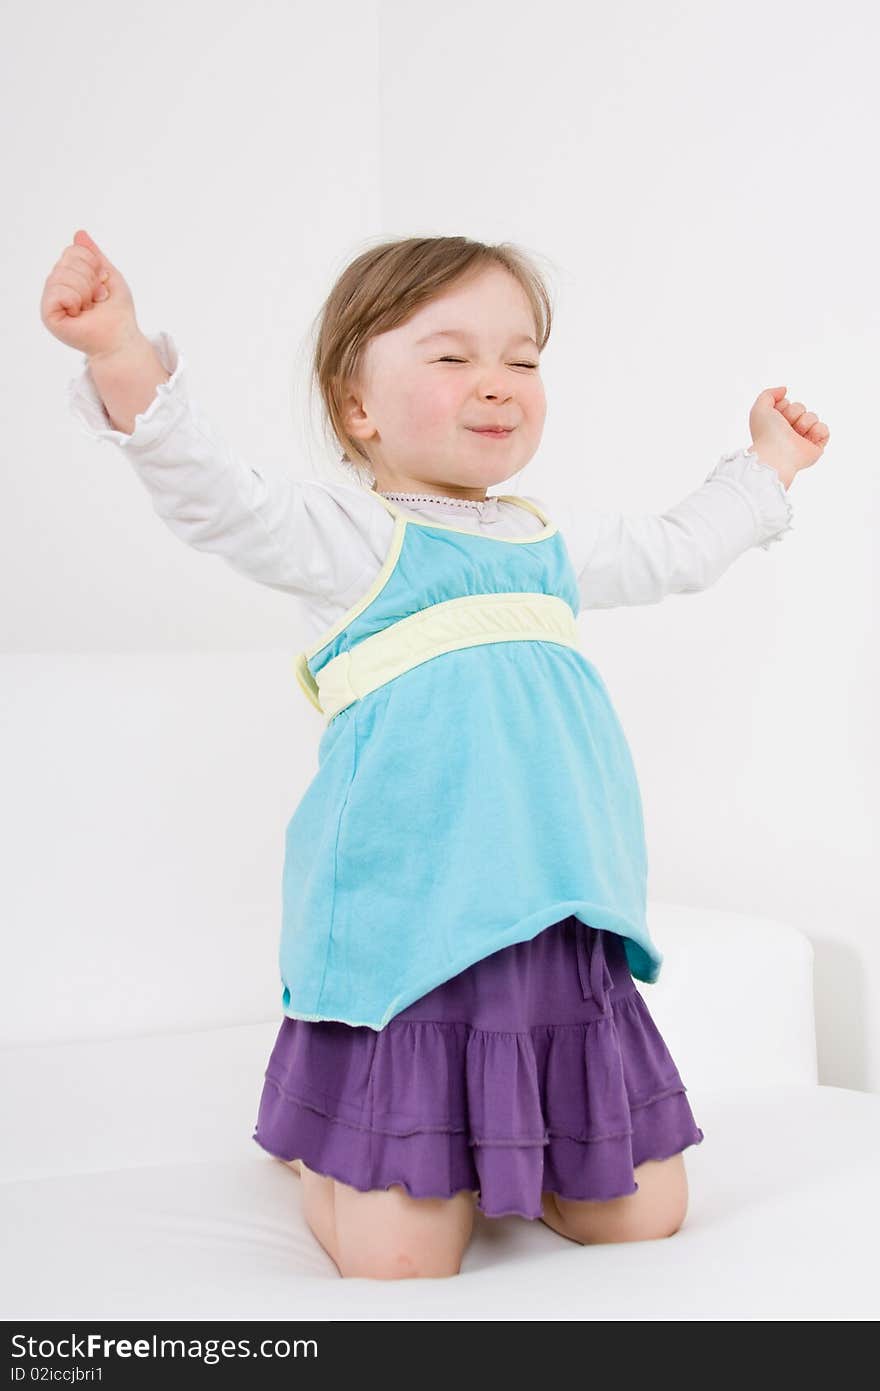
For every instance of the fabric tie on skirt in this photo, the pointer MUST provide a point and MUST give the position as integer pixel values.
(593, 973)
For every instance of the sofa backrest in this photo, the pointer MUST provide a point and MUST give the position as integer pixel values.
(145, 804)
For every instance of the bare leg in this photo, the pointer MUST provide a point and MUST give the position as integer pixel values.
(319, 1207)
(384, 1234)
(658, 1209)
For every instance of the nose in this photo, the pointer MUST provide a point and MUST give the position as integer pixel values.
(493, 385)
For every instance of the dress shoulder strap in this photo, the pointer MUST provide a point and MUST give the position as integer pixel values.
(389, 506)
(524, 502)
(397, 512)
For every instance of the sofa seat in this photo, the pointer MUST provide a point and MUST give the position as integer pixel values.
(131, 1188)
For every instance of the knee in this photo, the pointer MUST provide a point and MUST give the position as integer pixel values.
(389, 1235)
(646, 1216)
(644, 1227)
(398, 1264)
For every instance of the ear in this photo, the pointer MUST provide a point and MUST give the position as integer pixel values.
(357, 421)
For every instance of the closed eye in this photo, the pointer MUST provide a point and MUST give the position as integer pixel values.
(533, 365)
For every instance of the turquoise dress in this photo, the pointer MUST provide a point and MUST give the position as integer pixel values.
(474, 784)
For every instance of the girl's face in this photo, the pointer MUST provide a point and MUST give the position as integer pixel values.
(467, 359)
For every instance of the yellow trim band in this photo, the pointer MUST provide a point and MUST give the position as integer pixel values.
(444, 627)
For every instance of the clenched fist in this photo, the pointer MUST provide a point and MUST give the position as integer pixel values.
(785, 434)
(86, 302)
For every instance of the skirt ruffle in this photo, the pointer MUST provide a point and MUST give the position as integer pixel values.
(445, 1098)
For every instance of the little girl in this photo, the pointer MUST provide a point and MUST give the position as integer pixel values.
(464, 884)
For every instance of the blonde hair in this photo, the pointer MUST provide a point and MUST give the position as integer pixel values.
(380, 289)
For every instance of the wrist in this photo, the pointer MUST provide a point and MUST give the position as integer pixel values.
(133, 343)
(127, 378)
(785, 471)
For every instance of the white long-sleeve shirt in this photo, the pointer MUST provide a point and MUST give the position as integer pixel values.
(326, 542)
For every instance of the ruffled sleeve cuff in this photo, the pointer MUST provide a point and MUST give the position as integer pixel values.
(151, 425)
(762, 488)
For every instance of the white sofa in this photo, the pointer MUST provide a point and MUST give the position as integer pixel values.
(143, 821)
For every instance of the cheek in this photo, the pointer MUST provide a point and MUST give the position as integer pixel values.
(429, 407)
(537, 405)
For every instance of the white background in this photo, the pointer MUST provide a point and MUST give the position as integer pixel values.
(698, 183)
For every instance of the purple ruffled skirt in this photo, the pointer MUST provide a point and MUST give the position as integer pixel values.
(537, 1069)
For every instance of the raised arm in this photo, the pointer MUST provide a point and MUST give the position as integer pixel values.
(640, 558)
(300, 536)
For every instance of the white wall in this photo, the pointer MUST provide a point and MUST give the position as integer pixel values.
(698, 175)
(696, 179)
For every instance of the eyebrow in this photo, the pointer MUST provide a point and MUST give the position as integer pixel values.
(466, 337)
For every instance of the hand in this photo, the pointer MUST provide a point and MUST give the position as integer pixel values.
(86, 302)
(785, 434)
